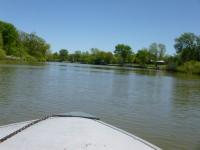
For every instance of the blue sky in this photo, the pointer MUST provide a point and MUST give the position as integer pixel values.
(85, 24)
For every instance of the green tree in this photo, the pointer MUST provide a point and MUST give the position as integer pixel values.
(21, 44)
(123, 51)
(153, 52)
(1, 41)
(156, 52)
(2, 52)
(161, 51)
(188, 47)
(33, 45)
(131, 57)
(96, 56)
(9, 35)
(55, 56)
(49, 56)
(71, 58)
(77, 56)
(85, 57)
(172, 63)
(108, 58)
(63, 54)
(101, 57)
(142, 56)
(38, 55)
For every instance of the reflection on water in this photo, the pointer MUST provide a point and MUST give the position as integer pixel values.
(160, 107)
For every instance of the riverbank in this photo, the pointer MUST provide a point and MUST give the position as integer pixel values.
(192, 67)
(16, 62)
(13, 60)
(149, 66)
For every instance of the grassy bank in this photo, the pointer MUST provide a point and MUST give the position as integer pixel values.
(15, 62)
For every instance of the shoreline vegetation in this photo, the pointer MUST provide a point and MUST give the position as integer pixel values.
(18, 46)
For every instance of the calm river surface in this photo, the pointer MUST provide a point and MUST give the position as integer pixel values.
(160, 107)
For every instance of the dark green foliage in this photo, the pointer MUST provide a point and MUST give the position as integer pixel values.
(188, 54)
(63, 55)
(173, 62)
(2, 52)
(142, 57)
(77, 56)
(52, 57)
(108, 58)
(9, 36)
(85, 57)
(1, 41)
(172, 66)
(191, 67)
(123, 51)
(188, 47)
(21, 45)
(33, 45)
(99, 57)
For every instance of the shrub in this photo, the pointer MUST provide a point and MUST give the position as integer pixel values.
(2, 54)
(28, 57)
(192, 67)
(172, 66)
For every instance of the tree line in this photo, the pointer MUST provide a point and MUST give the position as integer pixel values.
(122, 55)
(18, 45)
(21, 45)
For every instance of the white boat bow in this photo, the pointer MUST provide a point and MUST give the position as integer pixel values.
(70, 131)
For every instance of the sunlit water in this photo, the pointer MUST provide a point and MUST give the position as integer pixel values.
(160, 107)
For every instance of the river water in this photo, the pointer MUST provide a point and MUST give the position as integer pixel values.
(162, 108)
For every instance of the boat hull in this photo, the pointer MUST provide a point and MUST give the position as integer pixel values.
(70, 133)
